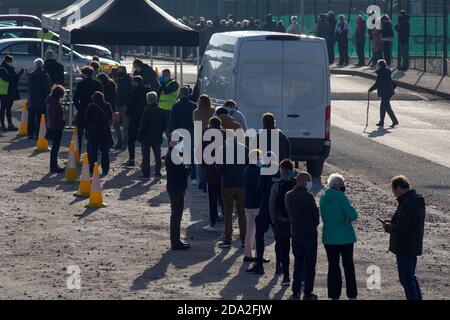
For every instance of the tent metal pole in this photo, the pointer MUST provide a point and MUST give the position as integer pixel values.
(151, 56)
(175, 63)
(181, 66)
(71, 87)
(198, 60)
(42, 42)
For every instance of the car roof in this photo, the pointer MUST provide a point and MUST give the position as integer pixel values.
(19, 28)
(262, 35)
(5, 41)
(19, 16)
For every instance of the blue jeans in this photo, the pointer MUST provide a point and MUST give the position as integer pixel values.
(304, 247)
(407, 275)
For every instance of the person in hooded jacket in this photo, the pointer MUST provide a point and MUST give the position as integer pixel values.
(98, 131)
(9, 91)
(38, 90)
(136, 105)
(406, 230)
(55, 124)
(403, 28)
(279, 216)
(338, 237)
(386, 89)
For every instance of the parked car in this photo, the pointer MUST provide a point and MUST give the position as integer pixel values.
(33, 32)
(287, 75)
(20, 20)
(26, 50)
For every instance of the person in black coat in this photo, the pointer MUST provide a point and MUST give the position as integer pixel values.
(331, 18)
(38, 90)
(82, 98)
(147, 73)
(304, 216)
(151, 130)
(177, 176)
(136, 105)
(403, 28)
(269, 124)
(98, 131)
(124, 87)
(10, 91)
(54, 69)
(386, 89)
(406, 229)
(387, 37)
(110, 91)
(270, 25)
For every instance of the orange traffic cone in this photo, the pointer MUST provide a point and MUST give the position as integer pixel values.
(23, 130)
(77, 146)
(71, 169)
(42, 142)
(96, 197)
(85, 180)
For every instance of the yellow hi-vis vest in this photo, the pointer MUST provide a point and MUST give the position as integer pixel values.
(166, 101)
(4, 85)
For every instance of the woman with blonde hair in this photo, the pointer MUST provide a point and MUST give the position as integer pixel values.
(338, 237)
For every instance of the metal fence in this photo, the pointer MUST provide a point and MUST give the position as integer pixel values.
(430, 30)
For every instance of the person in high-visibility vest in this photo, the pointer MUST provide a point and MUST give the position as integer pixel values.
(168, 95)
(47, 35)
(9, 91)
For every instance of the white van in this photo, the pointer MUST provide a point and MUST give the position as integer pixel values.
(287, 75)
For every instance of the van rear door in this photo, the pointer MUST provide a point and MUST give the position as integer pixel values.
(305, 89)
(259, 82)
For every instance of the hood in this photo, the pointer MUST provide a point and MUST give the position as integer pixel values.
(288, 176)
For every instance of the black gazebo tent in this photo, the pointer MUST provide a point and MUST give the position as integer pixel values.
(125, 22)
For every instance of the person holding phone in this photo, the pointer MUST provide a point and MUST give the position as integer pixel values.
(339, 237)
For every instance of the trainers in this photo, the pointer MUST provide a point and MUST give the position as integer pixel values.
(310, 296)
(286, 282)
(130, 163)
(225, 244)
(209, 228)
(294, 297)
(57, 170)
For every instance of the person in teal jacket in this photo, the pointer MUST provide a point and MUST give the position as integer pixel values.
(339, 237)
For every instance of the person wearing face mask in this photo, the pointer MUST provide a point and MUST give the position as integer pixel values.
(338, 237)
(9, 91)
(304, 215)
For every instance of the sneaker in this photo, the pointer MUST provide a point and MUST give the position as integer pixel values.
(12, 128)
(286, 282)
(256, 269)
(209, 228)
(294, 297)
(380, 124)
(130, 163)
(181, 246)
(57, 170)
(310, 296)
(249, 259)
(394, 125)
(225, 245)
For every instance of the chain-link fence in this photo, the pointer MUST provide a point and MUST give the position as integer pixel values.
(429, 19)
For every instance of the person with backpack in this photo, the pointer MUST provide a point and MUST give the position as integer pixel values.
(280, 217)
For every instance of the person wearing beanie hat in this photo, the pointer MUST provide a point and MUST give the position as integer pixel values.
(9, 91)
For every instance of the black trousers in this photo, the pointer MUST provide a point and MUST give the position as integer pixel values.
(56, 136)
(330, 47)
(81, 132)
(386, 108)
(146, 159)
(304, 248)
(387, 52)
(93, 149)
(343, 52)
(5, 110)
(214, 198)
(334, 279)
(360, 51)
(283, 246)
(263, 223)
(34, 122)
(176, 207)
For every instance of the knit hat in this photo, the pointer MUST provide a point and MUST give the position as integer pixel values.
(9, 58)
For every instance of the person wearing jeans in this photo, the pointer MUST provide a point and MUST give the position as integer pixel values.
(338, 237)
(304, 215)
(406, 230)
(55, 124)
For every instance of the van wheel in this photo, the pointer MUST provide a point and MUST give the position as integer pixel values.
(315, 167)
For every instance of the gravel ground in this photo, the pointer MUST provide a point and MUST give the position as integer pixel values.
(122, 251)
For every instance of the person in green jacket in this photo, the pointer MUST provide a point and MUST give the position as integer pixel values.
(338, 237)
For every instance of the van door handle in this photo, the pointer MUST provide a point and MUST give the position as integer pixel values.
(293, 116)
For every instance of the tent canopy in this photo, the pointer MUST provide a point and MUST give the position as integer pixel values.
(54, 21)
(125, 22)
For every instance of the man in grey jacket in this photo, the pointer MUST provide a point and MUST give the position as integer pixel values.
(294, 28)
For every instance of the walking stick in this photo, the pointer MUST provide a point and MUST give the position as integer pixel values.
(368, 109)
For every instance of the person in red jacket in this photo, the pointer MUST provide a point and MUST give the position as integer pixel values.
(56, 124)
